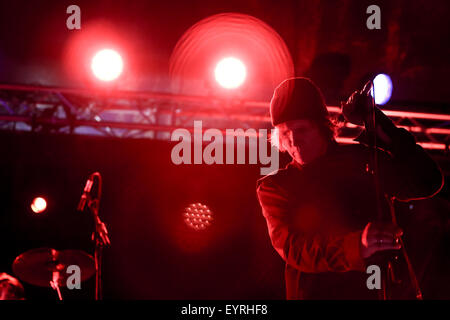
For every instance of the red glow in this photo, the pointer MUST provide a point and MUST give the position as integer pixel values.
(107, 65)
(401, 114)
(412, 129)
(38, 205)
(230, 73)
(82, 47)
(425, 145)
(194, 58)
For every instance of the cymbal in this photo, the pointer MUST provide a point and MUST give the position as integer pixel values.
(40, 266)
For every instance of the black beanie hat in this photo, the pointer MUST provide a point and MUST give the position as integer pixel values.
(297, 98)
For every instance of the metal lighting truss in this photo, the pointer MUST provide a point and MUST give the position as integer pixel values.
(155, 115)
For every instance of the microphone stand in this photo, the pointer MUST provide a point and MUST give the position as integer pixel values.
(99, 236)
(370, 124)
(386, 267)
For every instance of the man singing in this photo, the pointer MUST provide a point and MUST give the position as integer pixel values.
(321, 210)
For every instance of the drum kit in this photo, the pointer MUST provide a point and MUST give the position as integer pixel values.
(47, 267)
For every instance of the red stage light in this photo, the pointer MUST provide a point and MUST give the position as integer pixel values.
(264, 57)
(107, 65)
(198, 216)
(38, 205)
(230, 73)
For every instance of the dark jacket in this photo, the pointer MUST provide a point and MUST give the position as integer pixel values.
(315, 213)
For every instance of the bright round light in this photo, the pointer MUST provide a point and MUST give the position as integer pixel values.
(38, 205)
(107, 65)
(198, 216)
(383, 88)
(230, 73)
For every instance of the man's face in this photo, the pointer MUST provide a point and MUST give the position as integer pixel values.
(302, 140)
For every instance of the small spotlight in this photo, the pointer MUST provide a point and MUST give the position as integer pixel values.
(107, 65)
(38, 205)
(230, 73)
(199, 220)
(383, 88)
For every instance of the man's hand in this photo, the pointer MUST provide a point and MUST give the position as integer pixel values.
(379, 237)
(357, 108)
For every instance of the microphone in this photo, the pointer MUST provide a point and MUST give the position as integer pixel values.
(85, 195)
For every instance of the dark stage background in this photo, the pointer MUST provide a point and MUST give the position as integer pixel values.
(328, 40)
(154, 255)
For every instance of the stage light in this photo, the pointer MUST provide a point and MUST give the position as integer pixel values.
(265, 60)
(107, 65)
(38, 205)
(383, 88)
(198, 216)
(230, 73)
